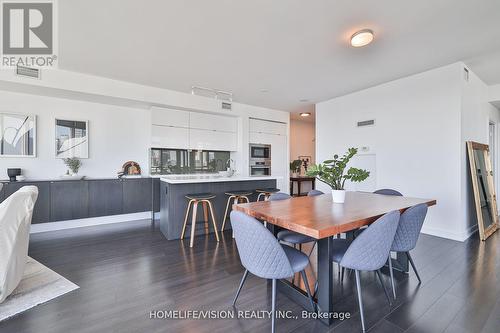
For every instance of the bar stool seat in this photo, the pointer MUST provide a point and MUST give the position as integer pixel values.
(239, 193)
(236, 196)
(200, 196)
(194, 200)
(266, 192)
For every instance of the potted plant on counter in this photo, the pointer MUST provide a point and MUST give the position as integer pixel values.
(73, 164)
(332, 172)
(295, 167)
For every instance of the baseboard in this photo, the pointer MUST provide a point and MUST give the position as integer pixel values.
(79, 223)
(438, 232)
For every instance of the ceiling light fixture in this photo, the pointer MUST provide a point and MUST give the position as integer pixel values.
(303, 100)
(305, 114)
(362, 38)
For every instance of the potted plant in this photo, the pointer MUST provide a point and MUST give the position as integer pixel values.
(332, 172)
(73, 164)
(295, 167)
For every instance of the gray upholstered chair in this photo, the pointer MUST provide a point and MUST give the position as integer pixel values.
(410, 224)
(388, 191)
(262, 255)
(289, 236)
(369, 252)
(313, 193)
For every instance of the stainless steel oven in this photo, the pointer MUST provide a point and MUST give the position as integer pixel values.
(260, 160)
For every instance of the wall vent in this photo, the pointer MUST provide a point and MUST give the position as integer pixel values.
(226, 106)
(362, 123)
(30, 72)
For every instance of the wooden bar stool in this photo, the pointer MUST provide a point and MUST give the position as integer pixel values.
(266, 192)
(204, 199)
(237, 197)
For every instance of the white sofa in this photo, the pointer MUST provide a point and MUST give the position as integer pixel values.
(15, 221)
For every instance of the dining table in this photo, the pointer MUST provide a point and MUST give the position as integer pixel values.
(320, 218)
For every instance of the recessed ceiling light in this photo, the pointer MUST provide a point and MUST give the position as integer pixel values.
(264, 90)
(362, 38)
(305, 114)
(303, 100)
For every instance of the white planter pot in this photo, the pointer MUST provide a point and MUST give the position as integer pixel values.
(338, 196)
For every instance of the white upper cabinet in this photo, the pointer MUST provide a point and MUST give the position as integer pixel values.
(169, 117)
(213, 122)
(212, 140)
(266, 126)
(169, 137)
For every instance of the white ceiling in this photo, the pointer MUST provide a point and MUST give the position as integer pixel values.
(295, 49)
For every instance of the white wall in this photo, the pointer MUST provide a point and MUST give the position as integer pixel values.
(415, 144)
(477, 113)
(302, 139)
(116, 135)
(119, 119)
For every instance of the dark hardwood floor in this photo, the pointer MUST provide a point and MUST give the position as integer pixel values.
(127, 270)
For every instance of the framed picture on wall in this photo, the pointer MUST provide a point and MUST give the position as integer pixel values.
(72, 138)
(17, 135)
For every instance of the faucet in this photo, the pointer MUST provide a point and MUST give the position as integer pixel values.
(228, 163)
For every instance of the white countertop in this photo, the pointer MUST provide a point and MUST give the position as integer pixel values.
(192, 179)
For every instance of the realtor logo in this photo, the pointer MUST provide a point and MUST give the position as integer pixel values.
(28, 32)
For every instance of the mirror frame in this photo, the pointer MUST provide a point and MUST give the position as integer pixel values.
(34, 118)
(471, 146)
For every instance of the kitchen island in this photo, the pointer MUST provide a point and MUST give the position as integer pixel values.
(173, 202)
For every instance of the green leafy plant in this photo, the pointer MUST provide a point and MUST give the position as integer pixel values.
(295, 165)
(332, 172)
(73, 163)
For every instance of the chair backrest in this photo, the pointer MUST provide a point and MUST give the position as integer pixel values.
(370, 250)
(410, 224)
(313, 193)
(260, 252)
(388, 191)
(279, 196)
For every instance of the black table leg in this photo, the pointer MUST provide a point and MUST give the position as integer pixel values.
(325, 278)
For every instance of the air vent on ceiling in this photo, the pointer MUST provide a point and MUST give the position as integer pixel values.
(226, 106)
(370, 122)
(30, 72)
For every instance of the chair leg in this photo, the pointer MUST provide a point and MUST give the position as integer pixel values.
(392, 277)
(360, 301)
(225, 213)
(383, 287)
(315, 288)
(235, 201)
(306, 283)
(342, 274)
(213, 219)
(241, 286)
(205, 216)
(186, 219)
(413, 265)
(193, 223)
(273, 309)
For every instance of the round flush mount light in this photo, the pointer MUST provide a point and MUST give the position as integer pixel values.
(305, 114)
(362, 38)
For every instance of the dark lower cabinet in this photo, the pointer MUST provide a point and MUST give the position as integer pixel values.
(69, 200)
(41, 212)
(105, 197)
(137, 195)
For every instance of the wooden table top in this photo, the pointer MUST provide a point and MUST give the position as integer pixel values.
(319, 217)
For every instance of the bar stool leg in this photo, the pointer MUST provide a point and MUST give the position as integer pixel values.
(235, 201)
(246, 198)
(258, 197)
(205, 216)
(225, 213)
(186, 219)
(193, 223)
(213, 219)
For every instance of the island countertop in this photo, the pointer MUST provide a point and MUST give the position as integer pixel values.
(194, 179)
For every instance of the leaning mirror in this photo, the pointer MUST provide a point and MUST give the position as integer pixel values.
(72, 138)
(483, 187)
(17, 135)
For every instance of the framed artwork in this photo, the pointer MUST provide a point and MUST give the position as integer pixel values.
(72, 138)
(17, 135)
(306, 162)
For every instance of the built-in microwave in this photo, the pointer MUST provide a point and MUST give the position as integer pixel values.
(258, 151)
(260, 170)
